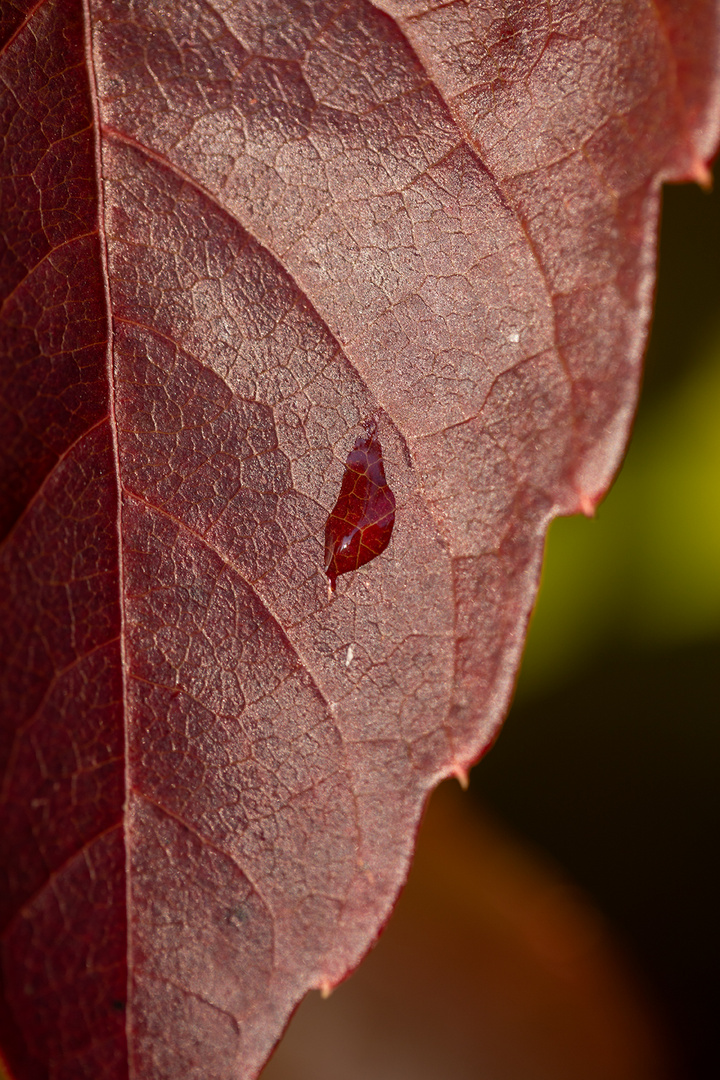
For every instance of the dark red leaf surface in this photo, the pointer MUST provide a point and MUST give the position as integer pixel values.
(361, 521)
(233, 235)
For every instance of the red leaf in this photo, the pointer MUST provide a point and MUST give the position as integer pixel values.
(232, 238)
(361, 522)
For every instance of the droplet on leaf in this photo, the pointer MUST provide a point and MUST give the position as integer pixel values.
(361, 522)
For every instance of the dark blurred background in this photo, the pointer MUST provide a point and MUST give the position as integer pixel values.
(609, 758)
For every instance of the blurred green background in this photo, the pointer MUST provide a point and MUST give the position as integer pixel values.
(609, 758)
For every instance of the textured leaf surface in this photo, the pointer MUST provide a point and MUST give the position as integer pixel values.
(235, 234)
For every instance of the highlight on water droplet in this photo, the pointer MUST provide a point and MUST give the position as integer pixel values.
(361, 522)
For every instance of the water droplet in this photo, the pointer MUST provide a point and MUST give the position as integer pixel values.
(361, 522)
